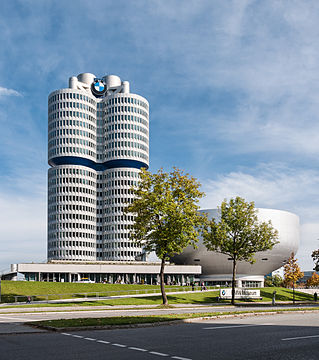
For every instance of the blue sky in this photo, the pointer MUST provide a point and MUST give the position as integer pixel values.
(232, 87)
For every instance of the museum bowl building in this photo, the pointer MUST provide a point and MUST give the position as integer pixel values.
(217, 268)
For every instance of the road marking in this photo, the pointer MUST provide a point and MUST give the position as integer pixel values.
(228, 327)
(137, 349)
(301, 337)
(119, 345)
(157, 353)
(125, 346)
(103, 342)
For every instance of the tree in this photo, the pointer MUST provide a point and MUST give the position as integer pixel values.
(313, 281)
(315, 258)
(239, 234)
(275, 280)
(166, 217)
(292, 273)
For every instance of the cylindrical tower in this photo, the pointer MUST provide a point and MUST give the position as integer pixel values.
(97, 143)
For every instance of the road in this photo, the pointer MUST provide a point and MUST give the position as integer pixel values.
(37, 314)
(293, 336)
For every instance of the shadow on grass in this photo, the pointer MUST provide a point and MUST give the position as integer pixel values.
(286, 295)
(117, 320)
(11, 298)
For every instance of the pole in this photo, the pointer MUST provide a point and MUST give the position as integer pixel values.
(293, 292)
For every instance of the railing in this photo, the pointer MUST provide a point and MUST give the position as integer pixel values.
(104, 294)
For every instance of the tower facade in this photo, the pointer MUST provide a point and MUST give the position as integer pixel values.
(98, 140)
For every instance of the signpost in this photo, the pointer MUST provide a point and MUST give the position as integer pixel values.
(239, 294)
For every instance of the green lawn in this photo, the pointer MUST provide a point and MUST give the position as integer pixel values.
(9, 289)
(25, 288)
(207, 297)
(283, 294)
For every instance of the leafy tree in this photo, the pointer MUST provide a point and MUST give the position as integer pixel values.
(315, 258)
(268, 281)
(276, 281)
(292, 273)
(313, 281)
(166, 214)
(238, 234)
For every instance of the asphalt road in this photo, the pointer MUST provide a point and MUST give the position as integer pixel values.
(285, 336)
(60, 313)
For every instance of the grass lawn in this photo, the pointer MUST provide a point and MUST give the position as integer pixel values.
(28, 288)
(207, 297)
(9, 289)
(284, 294)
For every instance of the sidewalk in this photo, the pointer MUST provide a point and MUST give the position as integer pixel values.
(210, 306)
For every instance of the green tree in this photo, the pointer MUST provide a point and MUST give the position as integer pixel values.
(238, 234)
(276, 281)
(166, 217)
(315, 258)
(292, 273)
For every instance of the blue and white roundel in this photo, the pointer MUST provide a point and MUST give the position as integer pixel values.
(99, 86)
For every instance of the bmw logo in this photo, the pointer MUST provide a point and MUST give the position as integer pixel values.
(98, 87)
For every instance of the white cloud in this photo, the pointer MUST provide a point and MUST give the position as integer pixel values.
(8, 92)
(309, 234)
(266, 53)
(23, 228)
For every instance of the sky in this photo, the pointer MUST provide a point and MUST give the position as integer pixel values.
(232, 87)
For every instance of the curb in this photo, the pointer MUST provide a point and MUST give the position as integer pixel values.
(169, 322)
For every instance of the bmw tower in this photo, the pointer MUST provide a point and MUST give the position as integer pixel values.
(98, 140)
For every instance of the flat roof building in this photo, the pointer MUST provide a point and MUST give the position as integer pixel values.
(111, 272)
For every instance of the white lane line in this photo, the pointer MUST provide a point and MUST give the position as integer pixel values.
(300, 337)
(119, 345)
(137, 349)
(103, 341)
(125, 346)
(157, 353)
(229, 327)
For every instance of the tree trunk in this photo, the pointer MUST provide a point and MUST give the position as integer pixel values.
(233, 283)
(164, 297)
(293, 292)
